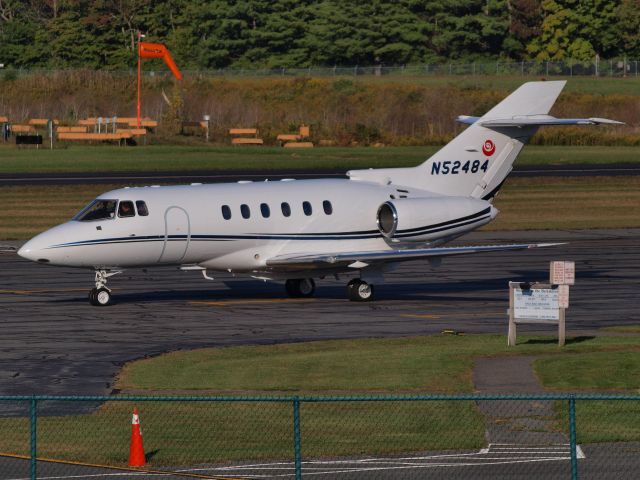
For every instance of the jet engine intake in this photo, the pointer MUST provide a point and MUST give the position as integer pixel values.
(427, 219)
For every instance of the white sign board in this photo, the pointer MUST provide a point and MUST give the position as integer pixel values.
(562, 273)
(536, 304)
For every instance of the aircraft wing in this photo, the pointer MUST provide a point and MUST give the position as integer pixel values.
(364, 259)
(534, 120)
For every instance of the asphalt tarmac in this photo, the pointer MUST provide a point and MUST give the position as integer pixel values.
(54, 342)
(217, 176)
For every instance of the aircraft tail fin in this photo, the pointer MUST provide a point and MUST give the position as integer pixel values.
(478, 160)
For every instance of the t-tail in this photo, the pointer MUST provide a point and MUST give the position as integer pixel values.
(477, 161)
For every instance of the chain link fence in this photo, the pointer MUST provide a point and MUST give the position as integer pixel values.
(464, 436)
(619, 67)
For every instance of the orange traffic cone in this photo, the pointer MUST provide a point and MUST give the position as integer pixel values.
(136, 450)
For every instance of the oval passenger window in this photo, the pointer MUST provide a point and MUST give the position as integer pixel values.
(328, 208)
(264, 209)
(244, 210)
(226, 212)
(286, 209)
(306, 207)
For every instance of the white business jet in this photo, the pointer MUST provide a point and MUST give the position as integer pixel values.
(304, 229)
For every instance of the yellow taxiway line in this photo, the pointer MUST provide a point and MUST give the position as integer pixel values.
(121, 469)
(44, 290)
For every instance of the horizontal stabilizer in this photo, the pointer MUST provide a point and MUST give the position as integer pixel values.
(328, 260)
(533, 121)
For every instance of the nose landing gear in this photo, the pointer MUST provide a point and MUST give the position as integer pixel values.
(100, 296)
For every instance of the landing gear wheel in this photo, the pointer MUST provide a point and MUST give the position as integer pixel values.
(100, 297)
(300, 287)
(359, 291)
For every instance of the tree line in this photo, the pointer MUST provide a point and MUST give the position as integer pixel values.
(212, 34)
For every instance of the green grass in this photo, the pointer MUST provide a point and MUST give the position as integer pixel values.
(435, 364)
(623, 329)
(597, 371)
(587, 202)
(188, 433)
(100, 159)
(607, 371)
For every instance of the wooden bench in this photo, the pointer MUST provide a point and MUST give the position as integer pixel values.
(143, 123)
(95, 136)
(128, 121)
(22, 129)
(243, 140)
(288, 137)
(133, 122)
(243, 131)
(246, 141)
(292, 140)
(75, 129)
(135, 132)
(41, 122)
(298, 145)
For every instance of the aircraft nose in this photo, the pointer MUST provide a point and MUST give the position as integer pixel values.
(32, 251)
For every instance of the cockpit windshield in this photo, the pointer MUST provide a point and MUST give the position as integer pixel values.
(99, 209)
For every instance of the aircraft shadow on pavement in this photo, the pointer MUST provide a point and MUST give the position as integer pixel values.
(494, 290)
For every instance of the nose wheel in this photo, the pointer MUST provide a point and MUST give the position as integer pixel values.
(300, 287)
(359, 291)
(100, 296)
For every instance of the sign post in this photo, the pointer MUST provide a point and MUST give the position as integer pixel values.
(541, 303)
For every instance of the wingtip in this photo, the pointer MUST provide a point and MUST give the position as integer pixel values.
(545, 245)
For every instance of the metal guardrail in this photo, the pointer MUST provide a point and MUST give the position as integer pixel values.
(618, 67)
(326, 434)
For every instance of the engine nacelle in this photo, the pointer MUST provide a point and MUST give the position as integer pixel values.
(427, 219)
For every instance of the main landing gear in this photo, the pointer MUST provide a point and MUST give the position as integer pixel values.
(357, 290)
(300, 287)
(100, 296)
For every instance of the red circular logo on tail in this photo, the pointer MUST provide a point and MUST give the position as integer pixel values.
(488, 148)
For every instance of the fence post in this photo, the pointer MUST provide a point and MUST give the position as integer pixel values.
(572, 437)
(33, 414)
(297, 449)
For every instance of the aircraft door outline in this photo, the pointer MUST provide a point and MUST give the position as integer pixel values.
(174, 250)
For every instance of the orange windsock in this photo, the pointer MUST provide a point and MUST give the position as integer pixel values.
(136, 450)
(158, 50)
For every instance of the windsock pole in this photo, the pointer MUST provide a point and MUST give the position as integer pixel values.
(136, 450)
(139, 82)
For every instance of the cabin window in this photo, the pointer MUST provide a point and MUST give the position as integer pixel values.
(306, 208)
(226, 212)
(245, 211)
(125, 209)
(328, 208)
(143, 211)
(265, 210)
(286, 209)
(99, 209)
